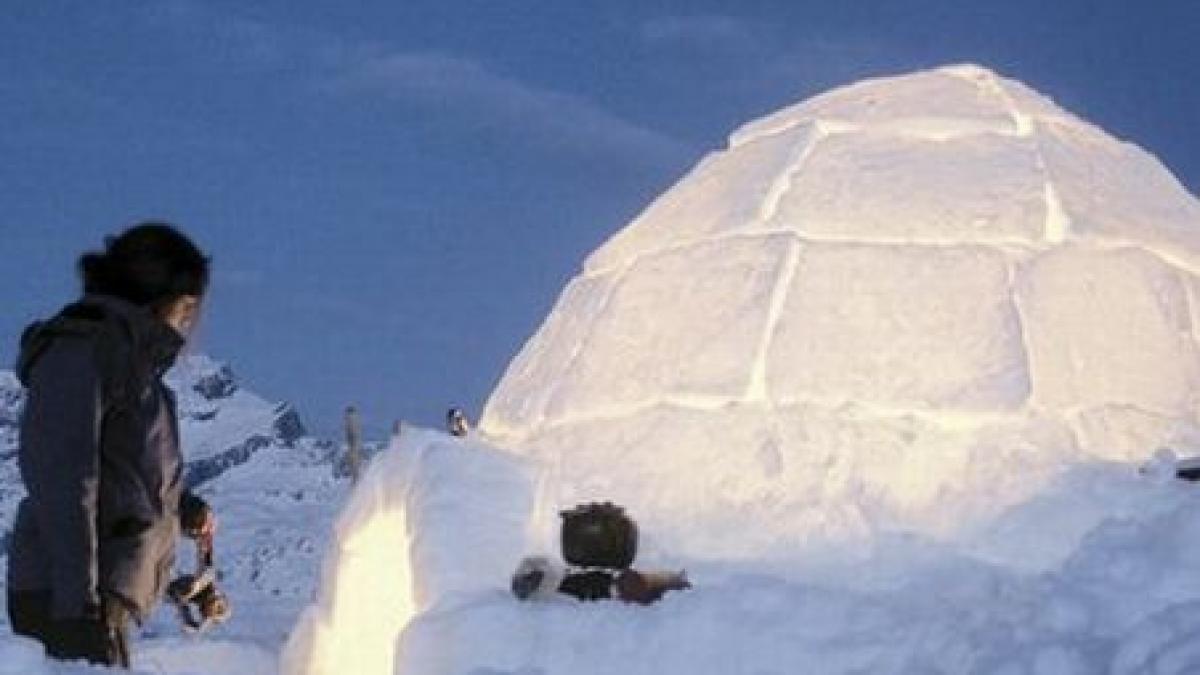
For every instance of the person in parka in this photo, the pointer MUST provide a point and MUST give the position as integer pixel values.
(93, 545)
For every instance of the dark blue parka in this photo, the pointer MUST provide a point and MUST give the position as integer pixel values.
(100, 458)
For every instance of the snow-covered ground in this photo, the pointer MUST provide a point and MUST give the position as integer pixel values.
(1096, 573)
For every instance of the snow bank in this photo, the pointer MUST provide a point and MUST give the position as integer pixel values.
(1095, 572)
(434, 523)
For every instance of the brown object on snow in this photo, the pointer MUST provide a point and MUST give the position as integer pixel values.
(646, 588)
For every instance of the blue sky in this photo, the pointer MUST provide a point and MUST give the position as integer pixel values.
(395, 192)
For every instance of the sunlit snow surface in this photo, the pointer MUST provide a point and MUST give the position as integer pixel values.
(1094, 574)
(904, 305)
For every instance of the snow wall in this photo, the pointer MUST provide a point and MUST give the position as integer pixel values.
(416, 579)
(434, 522)
(904, 305)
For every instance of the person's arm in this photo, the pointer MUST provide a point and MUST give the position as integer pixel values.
(60, 437)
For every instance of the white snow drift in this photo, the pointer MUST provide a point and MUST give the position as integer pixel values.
(433, 524)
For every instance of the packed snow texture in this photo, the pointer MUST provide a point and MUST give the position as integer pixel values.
(21, 656)
(1093, 573)
(433, 523)
(864, 315)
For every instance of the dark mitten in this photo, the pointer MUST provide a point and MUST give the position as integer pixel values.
(590, 585)
(645, 588)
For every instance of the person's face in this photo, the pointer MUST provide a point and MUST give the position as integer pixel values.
(182, 314)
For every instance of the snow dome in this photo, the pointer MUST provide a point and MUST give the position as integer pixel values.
(906, 303)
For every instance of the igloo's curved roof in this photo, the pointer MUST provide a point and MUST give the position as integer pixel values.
(938, 253)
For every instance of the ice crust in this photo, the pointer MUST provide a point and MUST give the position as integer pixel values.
(836, 318)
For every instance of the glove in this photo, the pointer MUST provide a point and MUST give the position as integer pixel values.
(196, 518)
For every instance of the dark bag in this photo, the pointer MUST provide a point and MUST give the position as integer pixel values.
(599, 535)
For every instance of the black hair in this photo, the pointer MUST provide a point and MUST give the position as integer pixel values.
(150, 264)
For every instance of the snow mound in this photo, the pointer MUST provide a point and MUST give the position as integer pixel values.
(433, 524)
(906, 304)
(417, 573)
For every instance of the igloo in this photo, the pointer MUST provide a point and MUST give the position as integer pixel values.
(933, 314)
(905, 303)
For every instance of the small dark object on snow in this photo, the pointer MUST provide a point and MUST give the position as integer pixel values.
(538, 578)
(1167, 464)
(526, 583)
(200, 589)
(457, 423)
(645, 588)
(1188, 473)
(589, 585)
(1187, 468)
(600, 541)
(599, 535)
(642, 588)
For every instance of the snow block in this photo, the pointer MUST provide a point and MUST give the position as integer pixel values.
(469, 511)
(750, 483)
(1109, 327)
(1119, 194)
(887, 188)
(658, 464)
(911, 327)
(724, 194)
(933, 104)
(434, 521)
(1034, 105)
(546, 357)
(670, 331)
(1126, 433)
